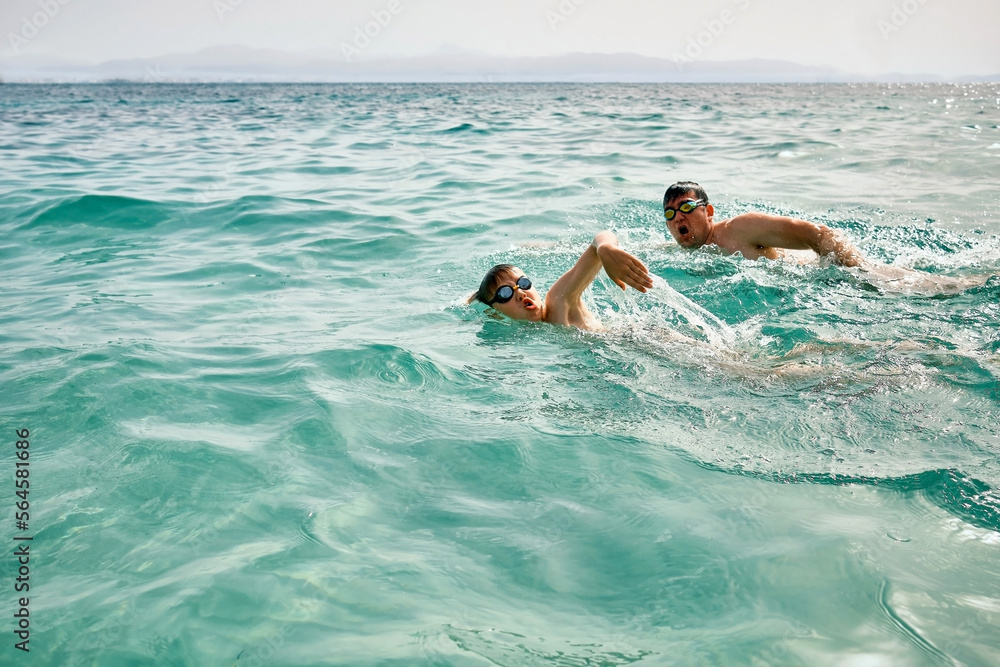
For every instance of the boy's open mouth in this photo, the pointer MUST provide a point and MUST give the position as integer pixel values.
(529, 304)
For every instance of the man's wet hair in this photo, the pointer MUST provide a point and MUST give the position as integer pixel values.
(681, 188)
(491, 282)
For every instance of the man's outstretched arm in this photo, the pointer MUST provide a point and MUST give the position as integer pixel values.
(775, 231)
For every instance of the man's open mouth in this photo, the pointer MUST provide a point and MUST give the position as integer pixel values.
(682, 230)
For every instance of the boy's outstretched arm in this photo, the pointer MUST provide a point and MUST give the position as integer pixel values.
(775, 231)
(622, 267)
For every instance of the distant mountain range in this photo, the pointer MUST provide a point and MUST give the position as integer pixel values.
(237, 63)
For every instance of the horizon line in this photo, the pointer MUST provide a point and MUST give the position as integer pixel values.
(60, 69)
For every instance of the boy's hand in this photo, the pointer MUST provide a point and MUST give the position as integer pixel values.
(623, 268)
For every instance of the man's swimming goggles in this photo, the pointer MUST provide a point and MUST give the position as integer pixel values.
(686, 207)
(506, 292)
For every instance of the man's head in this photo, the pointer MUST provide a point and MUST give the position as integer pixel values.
(507, 290)
(688, 214)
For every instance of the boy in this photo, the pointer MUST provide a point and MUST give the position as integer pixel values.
(509, 291)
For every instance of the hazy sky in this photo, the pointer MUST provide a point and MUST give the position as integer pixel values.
(945, 37)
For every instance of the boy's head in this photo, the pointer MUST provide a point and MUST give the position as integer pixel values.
(492, 281)
(693, 227)
(506, 289)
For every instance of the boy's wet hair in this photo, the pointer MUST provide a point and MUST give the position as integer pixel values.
(491, 282)
(681, 188)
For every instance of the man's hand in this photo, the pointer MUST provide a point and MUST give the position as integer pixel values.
(623, 268)
(832, 243)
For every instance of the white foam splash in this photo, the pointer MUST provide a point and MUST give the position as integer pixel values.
(717, 332)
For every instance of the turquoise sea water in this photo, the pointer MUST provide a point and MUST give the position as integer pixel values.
(266, 430)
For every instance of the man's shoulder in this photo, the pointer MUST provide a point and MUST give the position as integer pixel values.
(748, 226)
(750, 218)
(744, 233)
(737, 226)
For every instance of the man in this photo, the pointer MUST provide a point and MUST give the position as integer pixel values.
(691, 222)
